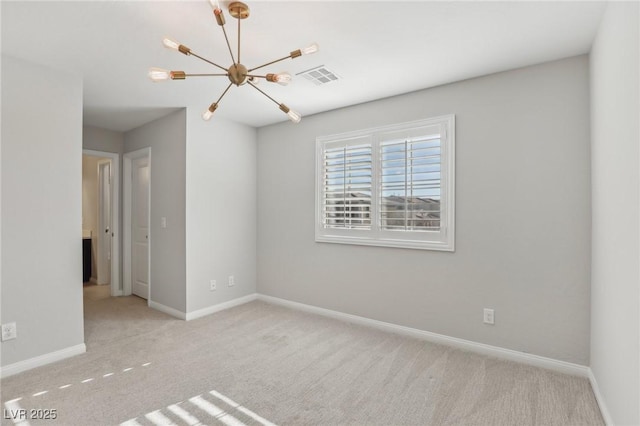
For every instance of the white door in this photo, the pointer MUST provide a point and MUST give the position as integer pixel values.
(104, 229)
(140, 227)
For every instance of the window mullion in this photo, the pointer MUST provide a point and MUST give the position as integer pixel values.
(406, 203)
(376, 165)
(345, 209)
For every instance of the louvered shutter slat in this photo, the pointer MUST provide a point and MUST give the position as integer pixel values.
(410, 184)
(347, 177)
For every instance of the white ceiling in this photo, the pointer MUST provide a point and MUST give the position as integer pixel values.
(379, 49)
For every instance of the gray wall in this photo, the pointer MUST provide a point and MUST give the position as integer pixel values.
(167, 139)
(522, 226)
(221, 210)
(99, 139)
(41, 209)
(615, 302)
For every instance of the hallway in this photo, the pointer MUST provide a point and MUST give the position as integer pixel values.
(109, 319)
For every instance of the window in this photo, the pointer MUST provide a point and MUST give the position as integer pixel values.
(389, 186)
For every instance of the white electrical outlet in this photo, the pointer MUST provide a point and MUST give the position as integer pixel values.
(212, 285)
(9, 331)
(232, 282)
(488, 316)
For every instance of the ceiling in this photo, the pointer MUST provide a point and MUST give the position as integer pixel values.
(377, 48)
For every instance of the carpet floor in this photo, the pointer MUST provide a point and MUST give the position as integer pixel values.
(260, 364)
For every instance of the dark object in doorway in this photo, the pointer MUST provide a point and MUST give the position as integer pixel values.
(86, 259)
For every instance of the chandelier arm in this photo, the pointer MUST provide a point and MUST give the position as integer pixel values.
(207, 75)
(293, 116)
(269, 63)
(256, 76)
(229, 46)
(224, 93)
(258, 89)
(208, 61)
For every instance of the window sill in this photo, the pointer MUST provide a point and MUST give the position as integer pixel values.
(392, 243)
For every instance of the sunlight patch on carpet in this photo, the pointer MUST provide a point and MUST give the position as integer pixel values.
(204, 409)
(68, 385)
(16, 413)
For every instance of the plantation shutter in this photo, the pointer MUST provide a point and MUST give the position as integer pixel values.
(346, 180)
(410, 180)
(389, 186)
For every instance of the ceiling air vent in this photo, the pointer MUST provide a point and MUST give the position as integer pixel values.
(319, 75)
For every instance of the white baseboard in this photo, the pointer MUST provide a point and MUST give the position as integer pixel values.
(603, 407)
(28, 364)
(167, 310)
(494, 351)
(221, 306)
(93, 280)
(202, 312)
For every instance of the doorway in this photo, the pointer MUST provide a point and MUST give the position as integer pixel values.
(105, 232)
(101, 216)
(136, 214)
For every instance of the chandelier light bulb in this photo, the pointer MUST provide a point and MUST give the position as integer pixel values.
(174, 45)
(294, 116)
(215, 5)
(282, 78)
(312, 48)
(208, 113)
(159, 74)
(170, 44)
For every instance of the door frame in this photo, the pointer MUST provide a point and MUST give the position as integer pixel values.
(104, 256)
(115, 215)
(128, 223)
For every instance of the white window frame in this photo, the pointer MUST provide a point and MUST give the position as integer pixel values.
(441, 240)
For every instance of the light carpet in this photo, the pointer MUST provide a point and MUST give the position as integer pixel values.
(263, 364)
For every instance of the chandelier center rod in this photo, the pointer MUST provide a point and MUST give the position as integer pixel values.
(239, 20)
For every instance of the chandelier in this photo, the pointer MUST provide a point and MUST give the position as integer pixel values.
(237, 73)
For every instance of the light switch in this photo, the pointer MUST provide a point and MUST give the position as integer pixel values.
(163, 222)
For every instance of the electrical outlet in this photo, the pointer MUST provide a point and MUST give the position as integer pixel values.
(232, 282)
(9, 331)
(212, 285)
(488, 316)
